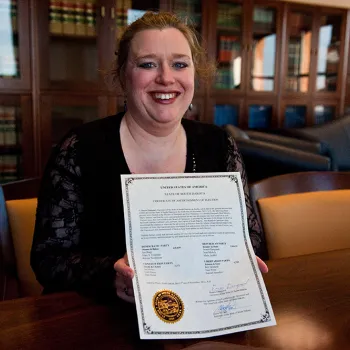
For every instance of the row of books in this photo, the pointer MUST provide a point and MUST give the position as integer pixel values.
(265, 16)
(229, 48)
(9, 168)
(9, 163)
(6, 12)
(189, 9)
(8, 128)
(224, 79)
(73, 17)
(229, 16)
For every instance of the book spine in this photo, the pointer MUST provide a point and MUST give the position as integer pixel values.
(10, 126)
(119, 18)
(221, 49)
(90, 17)
(55, 14)
(9, 168)
(79, 13)
(68, 8)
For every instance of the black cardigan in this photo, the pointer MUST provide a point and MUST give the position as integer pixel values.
(79, 230)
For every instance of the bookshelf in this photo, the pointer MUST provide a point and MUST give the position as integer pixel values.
(279, 64)
(229, 37)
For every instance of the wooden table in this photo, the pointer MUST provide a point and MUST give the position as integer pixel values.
(310, 296)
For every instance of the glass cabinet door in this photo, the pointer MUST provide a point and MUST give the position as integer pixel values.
(14, 44)
(295, 116)
(263, 54)
(328, 61)
(64, 118)
(16, 141)
(229, 38)
(260, 116)
(190, 11)
(226, 114)
(73, 48)
(299, 51)
(324, 114)
(10, 139)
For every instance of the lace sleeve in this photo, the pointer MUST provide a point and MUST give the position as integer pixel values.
(235, 163)
(56, 257)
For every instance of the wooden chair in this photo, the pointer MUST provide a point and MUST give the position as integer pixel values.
(304, 213)
(18, 202)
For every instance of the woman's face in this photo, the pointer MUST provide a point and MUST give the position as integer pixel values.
(159, 76)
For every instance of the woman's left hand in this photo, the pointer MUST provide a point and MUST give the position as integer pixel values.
(262, 266)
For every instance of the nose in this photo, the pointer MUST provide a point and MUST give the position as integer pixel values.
(165, 75)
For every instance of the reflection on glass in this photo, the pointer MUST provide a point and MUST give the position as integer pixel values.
(264, 49)
(226, 114)
(190, 11)
(73, 43)
(328, 53)
(324, 114)
(295, 116)
(64, 118)
(10, 139)
(259, 116)
(9, 58)
(128, 11)
(299, 51)
(229, 48)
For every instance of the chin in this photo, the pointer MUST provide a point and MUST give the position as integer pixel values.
(165, 117)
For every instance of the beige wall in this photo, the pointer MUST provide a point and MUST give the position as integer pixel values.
(332, 3)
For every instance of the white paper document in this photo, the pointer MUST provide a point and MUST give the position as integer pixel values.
(187, 240)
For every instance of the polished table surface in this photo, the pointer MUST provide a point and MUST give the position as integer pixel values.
(310, 296)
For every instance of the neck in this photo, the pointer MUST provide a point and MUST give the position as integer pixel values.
(162, 137)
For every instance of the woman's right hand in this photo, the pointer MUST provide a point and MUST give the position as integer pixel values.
(123, 280)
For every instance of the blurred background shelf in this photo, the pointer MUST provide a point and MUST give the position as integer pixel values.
(279, 64)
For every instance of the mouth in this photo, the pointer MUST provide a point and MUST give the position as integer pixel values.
(164, 97)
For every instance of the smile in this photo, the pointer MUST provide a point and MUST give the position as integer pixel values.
(164, 97)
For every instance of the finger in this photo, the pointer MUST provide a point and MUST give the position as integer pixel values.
(262, 266)
(122, 267)
(121, 294)
(130, 291)
(122, 284)
(119, 283)
(128, 283)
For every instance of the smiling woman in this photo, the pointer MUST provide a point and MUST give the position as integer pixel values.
(79, 239)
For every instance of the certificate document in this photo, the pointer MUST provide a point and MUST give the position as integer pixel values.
(187, 240)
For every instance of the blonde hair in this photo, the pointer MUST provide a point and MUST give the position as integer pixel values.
(150, 20)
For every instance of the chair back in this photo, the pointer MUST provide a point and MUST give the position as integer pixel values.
(18, 202)
(304, 213)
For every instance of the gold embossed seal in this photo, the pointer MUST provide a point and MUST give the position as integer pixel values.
(168, 306)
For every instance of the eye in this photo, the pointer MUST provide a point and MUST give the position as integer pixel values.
(147, 65)
(180, 65)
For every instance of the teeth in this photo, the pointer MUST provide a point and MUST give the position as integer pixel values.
(164, 96)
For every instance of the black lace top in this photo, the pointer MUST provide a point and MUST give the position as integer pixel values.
(79, 232)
